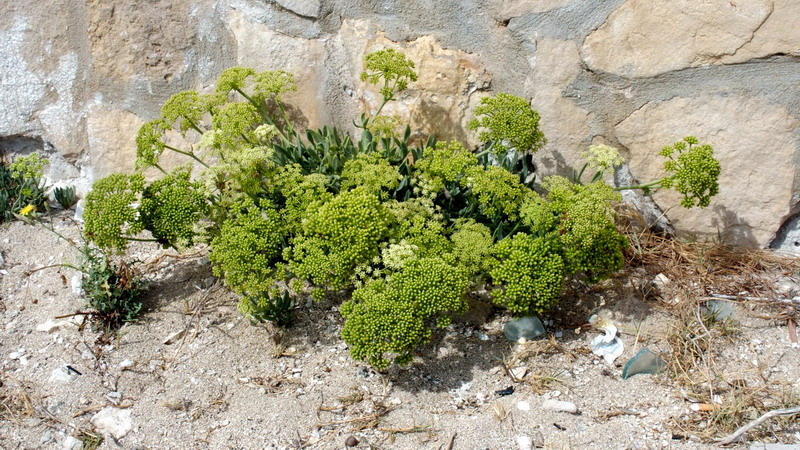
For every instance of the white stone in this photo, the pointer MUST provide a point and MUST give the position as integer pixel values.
(661, 280)
(126, 363)
(77, 283)
(519, 372)
(523, 406)
(560, 406)
(72, 443)
(62, 375)
(52, 325)
(524, 442)
(113, 421)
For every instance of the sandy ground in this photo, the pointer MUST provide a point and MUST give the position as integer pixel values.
(223, 383)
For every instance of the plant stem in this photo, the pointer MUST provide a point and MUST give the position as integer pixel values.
(189, 154)
(128, 238)
(640, 186)
(193, 125)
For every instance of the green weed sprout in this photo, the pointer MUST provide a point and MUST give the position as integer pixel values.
(269, 307)
(392, 69)
(693, 172)
(112, 290)
(507, 122)
(65, 196)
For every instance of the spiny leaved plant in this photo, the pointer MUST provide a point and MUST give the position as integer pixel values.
(406, 230)
(110, 286)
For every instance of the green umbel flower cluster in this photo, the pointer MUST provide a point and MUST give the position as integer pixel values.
(172, 206)
(385, 126)
(603, 157)
(271, 84)
(387, 320)
(233, 79)
(390, 67)
(446, 162)
(185, 106)
(111, 213)
(150, 143)
(235, 124)
(530, 274)
(695, 171)
(303, 195)
(395, 256)
(246, 249)
(472, 246)
(28, 167)
(586, 226)
(499, 191)
(341, 235)
(509, 122)
(372, 172)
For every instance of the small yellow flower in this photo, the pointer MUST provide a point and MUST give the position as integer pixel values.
(27, 210)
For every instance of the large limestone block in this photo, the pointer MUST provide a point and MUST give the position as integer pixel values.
(779, 34)
(449, 85)
(564, 124)
(755, 144)
(112, 141)
(140, 38)
(262, 48)
(646, 37)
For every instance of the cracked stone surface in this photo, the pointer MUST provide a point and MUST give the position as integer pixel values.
(754, 197)
(644, 38)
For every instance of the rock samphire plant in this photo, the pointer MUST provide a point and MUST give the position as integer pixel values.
(406, 228)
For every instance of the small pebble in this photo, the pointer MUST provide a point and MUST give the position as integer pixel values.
(560, 406)
(351, 441)
(126, 363)
(524, 442)
(523, 406)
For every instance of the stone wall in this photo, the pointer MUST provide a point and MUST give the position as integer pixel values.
(79, 78)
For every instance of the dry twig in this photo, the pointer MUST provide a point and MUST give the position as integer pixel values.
(736, 435)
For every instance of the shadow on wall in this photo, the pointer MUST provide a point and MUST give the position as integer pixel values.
(295, 115)
(434, 119)
(20, 145)
(731, 229)
(551, 163)
(788, 238)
